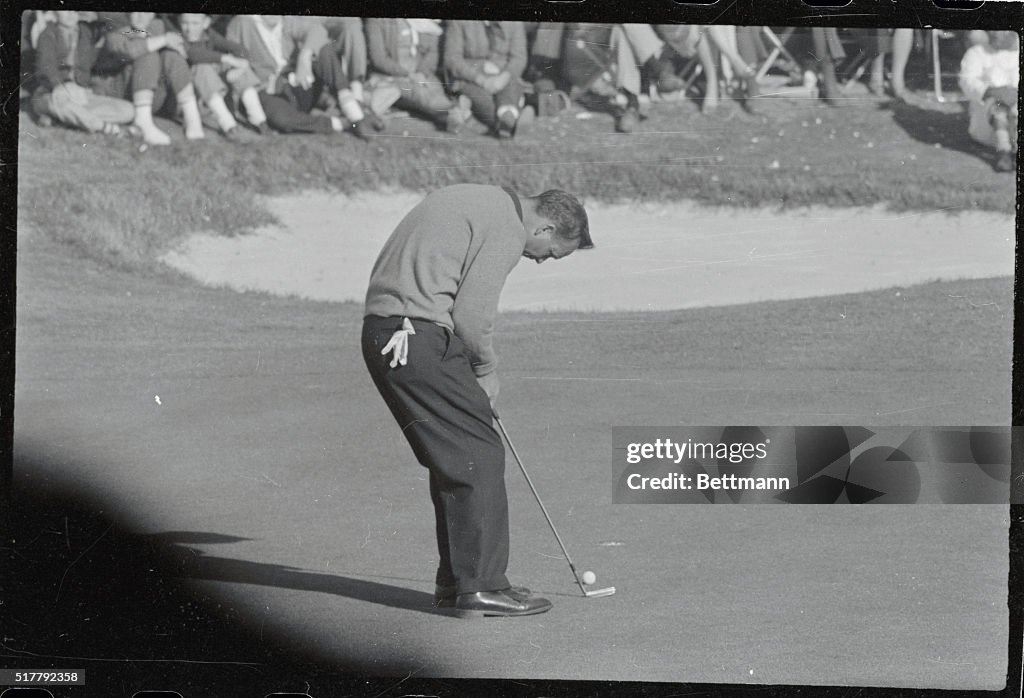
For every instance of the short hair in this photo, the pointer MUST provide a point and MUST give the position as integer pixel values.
(567, 213)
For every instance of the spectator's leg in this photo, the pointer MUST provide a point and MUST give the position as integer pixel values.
(178, 78)
(284, 116)
(653, 54)
(1000, 118)
(627, 71)
(67, 109)
(211, 90)
(145, 79)
(902, 42)
(110, 109)
(709, 63)
(823, 62)
(722, 36)
(329, 69)
(481, 104)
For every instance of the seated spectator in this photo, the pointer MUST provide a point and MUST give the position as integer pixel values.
(217, 64)
(484, 62)
(65, 55)
(989, 76)
(707, 43)
(151, 60)
(294, 62)
(404, 54)
(608, 61)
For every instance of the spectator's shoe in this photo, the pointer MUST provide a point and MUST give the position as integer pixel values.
(376, 122)
(444, 596)
(237, 134)
(626, 121)
(497, 603)
(362, 129)
(551, 103)
(751, 90)
(264, 129)
(1005, 163)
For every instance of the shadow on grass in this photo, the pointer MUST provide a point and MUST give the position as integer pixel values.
(189, 563)
(938, 126)
(85, 592)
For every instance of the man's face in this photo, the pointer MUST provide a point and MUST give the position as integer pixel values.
(1005, 40)
(542, 244)
(67, 18)
(193, 26)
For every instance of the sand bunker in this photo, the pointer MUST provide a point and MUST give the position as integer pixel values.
(648, 257)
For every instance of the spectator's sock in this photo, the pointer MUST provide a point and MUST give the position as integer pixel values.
(190, 115)
(225, 120)
(253, 107)
(349, 106)
(337, 124)
(356, 88)
(503, 109)
(1003, 141)
(143, 101)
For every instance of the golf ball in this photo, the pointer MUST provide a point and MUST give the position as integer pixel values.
(589, 577)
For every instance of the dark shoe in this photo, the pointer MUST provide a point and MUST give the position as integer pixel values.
(264, 129)
(452, 122)
(525, 121)
(497, 603)
(663, 71)
(444, 597)
(626, 121)
(376, 122)
(361, 129)
(1005, 163)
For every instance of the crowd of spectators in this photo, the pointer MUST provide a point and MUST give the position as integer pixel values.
(251, 75)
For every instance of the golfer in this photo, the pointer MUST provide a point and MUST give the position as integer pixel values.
(427, 342)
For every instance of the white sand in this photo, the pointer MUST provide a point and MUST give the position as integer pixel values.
(653, 257)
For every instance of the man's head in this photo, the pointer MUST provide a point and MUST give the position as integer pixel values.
(1004, 40)
(556, 226)
(193, 25)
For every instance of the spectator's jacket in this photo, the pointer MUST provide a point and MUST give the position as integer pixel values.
(468, 46)
(211, 47)
(125, 44)
(51, 58)
(383, 46)
(297, 34)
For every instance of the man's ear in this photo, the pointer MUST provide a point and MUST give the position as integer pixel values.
(547, 229)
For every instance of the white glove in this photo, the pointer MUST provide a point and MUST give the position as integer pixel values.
(400, 343)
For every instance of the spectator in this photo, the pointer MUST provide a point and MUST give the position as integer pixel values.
(65, 55)
(989, 76)
(404, 53)
(216, 64)
(607, 61)
(152, 62)
(708, 43)
(484, 61)
(294, 63)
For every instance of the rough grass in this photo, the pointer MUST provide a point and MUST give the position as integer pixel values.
(124, 207)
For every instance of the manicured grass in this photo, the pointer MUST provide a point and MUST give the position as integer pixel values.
(125, 207)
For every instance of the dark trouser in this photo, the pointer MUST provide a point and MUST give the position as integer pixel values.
(165, 72)
(446, 418)
(485, 105)
(288, 109)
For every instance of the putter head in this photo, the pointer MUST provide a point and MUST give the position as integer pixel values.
(595, 593)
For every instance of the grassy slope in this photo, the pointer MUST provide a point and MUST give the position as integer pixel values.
(123, 206)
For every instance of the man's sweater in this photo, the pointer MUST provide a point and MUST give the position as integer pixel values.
(447, 262)
(297, 34)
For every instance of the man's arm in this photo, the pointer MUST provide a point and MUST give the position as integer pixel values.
(380, 61)
(516, 50)
(476, 303)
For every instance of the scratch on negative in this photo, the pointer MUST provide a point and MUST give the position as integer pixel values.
(61, 586)
(415, 421)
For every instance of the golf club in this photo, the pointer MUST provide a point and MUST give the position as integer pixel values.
(607, 591)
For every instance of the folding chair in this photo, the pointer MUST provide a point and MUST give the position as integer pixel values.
(778, 49)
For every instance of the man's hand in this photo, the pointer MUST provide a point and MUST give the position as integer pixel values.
(234, 62)
(176, 43)
(1003, 96)
(490, 384)
(496, 83)
(304, 70)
